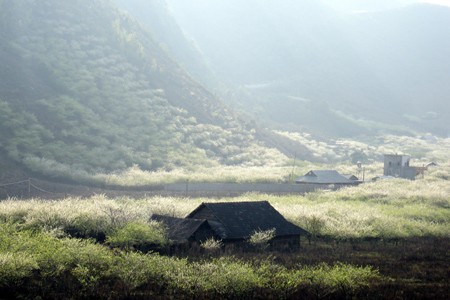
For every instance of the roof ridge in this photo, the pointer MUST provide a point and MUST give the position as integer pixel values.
(228, 231)
(233, 202)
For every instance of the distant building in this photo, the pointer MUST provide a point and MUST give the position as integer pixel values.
(398, 166)
(327, 177)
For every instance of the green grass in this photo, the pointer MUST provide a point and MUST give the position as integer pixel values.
(48, 248)
(384, 209)
(40, 264)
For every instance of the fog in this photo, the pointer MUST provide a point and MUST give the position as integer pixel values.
(387, 64)
(367, 5)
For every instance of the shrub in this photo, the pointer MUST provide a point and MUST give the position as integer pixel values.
(138, 235)
(137, 269)
(341, 278)
(47, 218)
(90, 263)
(17, 216)
(314, 225)
(211, 244)
(225, 276)
(82, 269)
(14, 267)
(261, 238)
(89, 226)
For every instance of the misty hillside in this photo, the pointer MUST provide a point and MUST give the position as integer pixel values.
(332, 72)
(155, 16)
(84, 88)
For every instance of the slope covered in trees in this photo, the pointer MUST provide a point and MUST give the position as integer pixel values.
(85, 89)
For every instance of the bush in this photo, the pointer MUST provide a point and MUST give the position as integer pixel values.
(138, 235)
(14, 267)
(89, 226)
(341, 279)
(89, 263)
(211, 244)
(314, 225)
(37, 220)
(260, 239)
(137, 269)
(225, 276)
(77, 269)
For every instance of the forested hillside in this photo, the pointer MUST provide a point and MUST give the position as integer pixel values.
(85, 89)
(156, 17)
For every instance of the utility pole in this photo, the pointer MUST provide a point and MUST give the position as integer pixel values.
(293, 167)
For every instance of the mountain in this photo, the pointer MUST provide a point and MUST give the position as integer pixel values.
(100, 86)
(336, 73)
(156, 17)
(85, 88)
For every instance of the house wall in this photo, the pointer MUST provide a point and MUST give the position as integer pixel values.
(392, 165)
(286, 243)
(398, 166)
(283, 244)
(408, 173)
(203, 233)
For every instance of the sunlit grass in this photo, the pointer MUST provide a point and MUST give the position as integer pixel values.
(385, 209)
(276, 169)
(136, 176)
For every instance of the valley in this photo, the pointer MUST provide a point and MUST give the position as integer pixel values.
(113, 112)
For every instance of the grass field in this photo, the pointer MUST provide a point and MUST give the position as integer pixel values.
(388, 238)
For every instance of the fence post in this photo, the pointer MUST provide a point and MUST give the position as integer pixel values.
(29, 187)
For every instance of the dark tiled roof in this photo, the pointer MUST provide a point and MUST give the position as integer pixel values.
(350, 176)
(324, 177)
(178, 229)
(237, 220)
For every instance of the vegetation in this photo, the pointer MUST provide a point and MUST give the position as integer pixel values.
(88, 95)
(138, 235)
(212, 244)
(279, 169)
(386, 209)
(40, 264)
(53, 247)
(261, 238)
(88, 91)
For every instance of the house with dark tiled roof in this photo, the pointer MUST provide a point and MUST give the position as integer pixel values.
(326, 177)
(182, 230)
(235, 222)
(232, 223)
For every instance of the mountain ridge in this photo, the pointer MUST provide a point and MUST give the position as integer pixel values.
(85, 90)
